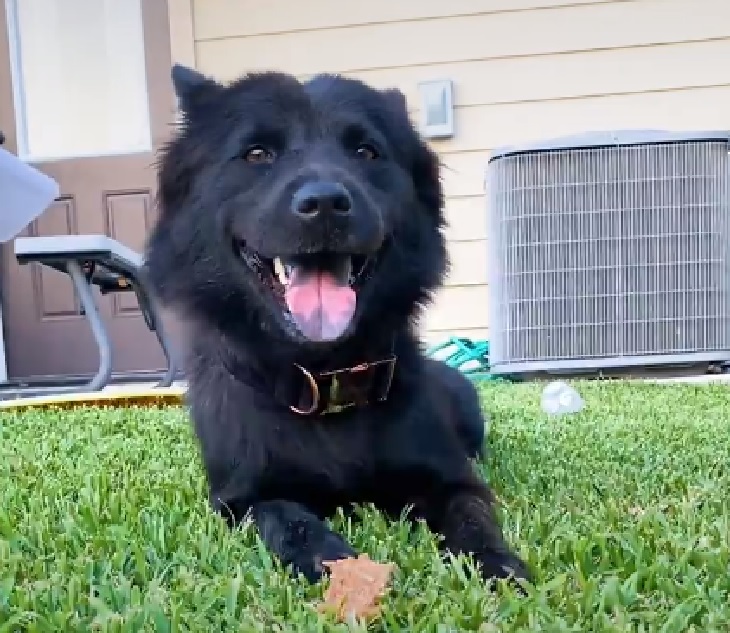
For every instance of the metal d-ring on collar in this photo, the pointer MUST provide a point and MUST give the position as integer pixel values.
(315, 393)
(333, 407)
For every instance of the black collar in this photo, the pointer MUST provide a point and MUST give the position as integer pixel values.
(320, 393)
(311, 393)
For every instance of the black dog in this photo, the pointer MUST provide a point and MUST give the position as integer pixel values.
(299, 234)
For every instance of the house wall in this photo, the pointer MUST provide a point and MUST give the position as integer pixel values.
(522, 69)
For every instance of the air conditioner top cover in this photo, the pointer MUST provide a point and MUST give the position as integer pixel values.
(610, 138)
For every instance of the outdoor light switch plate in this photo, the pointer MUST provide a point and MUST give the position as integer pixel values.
(437, 108)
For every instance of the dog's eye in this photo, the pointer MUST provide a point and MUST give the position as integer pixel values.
(366, 152)
(258, 154)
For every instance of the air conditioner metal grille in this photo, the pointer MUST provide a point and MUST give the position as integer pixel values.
(610, 254)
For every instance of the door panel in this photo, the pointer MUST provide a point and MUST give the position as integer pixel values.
(88, 101)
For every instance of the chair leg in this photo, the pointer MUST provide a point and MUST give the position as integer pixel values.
(83, 289)
(154, 322)
(166, 345)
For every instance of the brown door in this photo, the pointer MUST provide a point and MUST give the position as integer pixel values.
(85, 97)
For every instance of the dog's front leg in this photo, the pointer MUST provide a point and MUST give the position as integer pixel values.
(465, 517)
(298, 537)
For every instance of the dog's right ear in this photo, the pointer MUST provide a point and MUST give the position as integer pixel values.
(192, 88)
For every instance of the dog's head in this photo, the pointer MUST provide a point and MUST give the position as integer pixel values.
(301, 212)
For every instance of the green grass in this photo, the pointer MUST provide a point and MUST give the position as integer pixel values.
(623, 510)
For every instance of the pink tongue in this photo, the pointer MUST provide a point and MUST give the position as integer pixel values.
(321, 307)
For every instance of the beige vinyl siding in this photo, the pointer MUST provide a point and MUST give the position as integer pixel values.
(571, 74)
(480, 35)
(457, 308)
(522, 70)
(434, 337)
(238, 18)
(467, 218)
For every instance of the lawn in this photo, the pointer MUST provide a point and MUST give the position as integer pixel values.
(623, 510)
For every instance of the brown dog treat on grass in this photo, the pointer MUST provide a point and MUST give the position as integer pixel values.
(356, 587)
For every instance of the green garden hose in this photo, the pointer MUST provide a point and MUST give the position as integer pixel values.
(469, 357)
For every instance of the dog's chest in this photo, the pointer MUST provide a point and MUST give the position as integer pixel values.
(322, 458)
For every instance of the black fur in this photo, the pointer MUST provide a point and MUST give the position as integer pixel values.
(287, 471)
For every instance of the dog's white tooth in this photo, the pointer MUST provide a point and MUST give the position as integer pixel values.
(280, 271)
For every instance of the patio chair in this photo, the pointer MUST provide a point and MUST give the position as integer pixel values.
(98, 260)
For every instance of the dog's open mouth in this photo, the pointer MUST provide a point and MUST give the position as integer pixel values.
(317, 292)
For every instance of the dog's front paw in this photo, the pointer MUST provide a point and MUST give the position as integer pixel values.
(497, 565)
(300, 539)
(310, 560)
(310, 544)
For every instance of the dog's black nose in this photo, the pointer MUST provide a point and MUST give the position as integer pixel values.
(317, 197)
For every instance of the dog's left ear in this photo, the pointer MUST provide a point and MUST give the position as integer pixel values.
(396, 100)
(425, 166)
(192, 88)
(426, 170)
